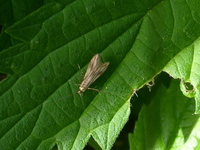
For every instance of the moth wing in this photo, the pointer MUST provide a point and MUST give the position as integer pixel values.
(95, 62)
(97, 73)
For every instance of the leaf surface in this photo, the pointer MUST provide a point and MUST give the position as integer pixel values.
(167, 122)
(39, 104)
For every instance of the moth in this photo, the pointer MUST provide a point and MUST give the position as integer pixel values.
(95, 69)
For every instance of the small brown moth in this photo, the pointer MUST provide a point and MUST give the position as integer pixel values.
(95, 69)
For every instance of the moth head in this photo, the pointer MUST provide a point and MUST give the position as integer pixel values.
(81, 90)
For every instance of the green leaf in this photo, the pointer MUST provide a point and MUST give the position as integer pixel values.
(167, 122)
(39, 103)
(185, 65)
(12, 11)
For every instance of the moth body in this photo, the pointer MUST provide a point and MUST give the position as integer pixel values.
(95, 69)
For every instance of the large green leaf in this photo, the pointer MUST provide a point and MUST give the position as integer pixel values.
(186, 65)
(39, 104)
